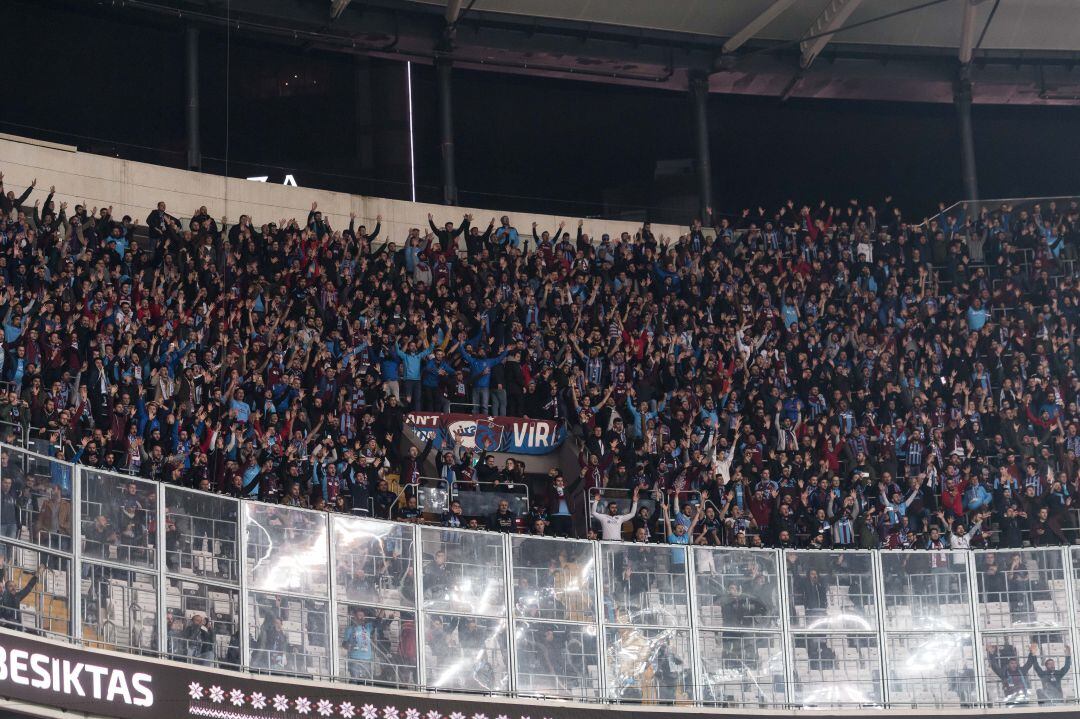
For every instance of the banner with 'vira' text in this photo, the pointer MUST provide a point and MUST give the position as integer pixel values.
(514, 435)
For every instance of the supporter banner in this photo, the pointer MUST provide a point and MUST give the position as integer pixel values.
(492, 434)
(62, 677)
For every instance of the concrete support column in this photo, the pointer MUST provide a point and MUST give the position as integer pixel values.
(699, 98)
(443, 69)
(194, 151)
(962, 100)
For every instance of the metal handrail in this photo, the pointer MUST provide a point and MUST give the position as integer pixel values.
(468, 407)
(961, 204)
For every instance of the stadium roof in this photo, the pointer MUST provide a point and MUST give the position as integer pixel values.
(1037, 25)
(1020, 51)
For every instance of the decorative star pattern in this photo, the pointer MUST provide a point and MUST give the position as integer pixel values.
(213, 713)
(304, 706)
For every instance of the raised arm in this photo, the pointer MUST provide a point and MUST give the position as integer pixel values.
(596, 507)
(26, 193)
(25, 591)
(463, 227)
(698, 514)
(465, 353)
(1064, 671)
(633, 508)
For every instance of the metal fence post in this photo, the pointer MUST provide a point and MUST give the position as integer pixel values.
(245, 609)
(979, 650)
(335, 630)
(163, 628)
(879, 600)
(1071, 595)
(696, 692)
(601, 644)
(786, 603)
(418, 575)
(75, 582)
(508, 590)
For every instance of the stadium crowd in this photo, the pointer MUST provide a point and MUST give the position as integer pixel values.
(808, 376)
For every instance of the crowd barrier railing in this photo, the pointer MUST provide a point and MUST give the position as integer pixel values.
(145, 568)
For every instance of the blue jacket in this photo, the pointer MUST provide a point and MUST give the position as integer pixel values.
(507, 236)
(976, 318)
(662, 275)
(976, 497)
(388, 366)
(430, 377)
(412, 362)
(411, 257)
(481, 368)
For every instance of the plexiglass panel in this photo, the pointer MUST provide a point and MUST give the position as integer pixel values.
(40, 600)
(464, 572)
(931, 669)
(645, 585)
(738, 588)
(203, 623)
(554, 579)
(119, 518)
(1076, 580)
(373, 562)
(465, 653)
(119, 608)
(832, 591)
(648, 664)
(201, 535)
(485, 503)
(926, 591)
(286, 549)
(741, 669)
(557, 660)
(1021, 589)
(41, 488)
(1029, 667)
(377, 646)
(1022, 611)
(289, 635)
(433, 496)
(836, 670)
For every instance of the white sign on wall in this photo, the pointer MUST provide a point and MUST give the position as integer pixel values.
(289, 179)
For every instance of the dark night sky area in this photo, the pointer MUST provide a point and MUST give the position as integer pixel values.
(567, 147)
